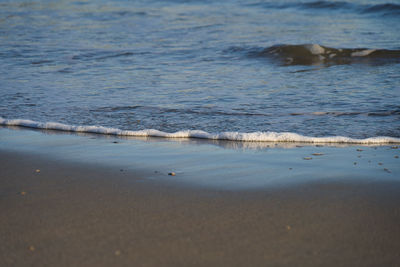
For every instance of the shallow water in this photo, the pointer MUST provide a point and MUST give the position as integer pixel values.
(225, 66)
(211, 164)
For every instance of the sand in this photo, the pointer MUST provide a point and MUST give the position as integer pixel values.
(89, 200)
(92, 215)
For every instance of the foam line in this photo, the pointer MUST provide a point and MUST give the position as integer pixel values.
(233, 136)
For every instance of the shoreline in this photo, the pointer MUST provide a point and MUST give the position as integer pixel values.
(266, 137)
(86, 212)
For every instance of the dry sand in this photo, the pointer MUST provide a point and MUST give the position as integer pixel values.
(55, 213)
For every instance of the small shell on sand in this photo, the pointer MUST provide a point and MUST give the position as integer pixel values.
(117, 253)
(307, 158)
(23, 193)
(288, 227)
(31, 248)
(172, 173)
(37, 171)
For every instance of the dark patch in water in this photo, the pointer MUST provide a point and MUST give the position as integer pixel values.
(383, 9)
(326, 5)
(129, 14)
(384, 113)
(101, 55)
(41, 62)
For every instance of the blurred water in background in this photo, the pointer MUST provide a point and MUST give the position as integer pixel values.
(316, 68)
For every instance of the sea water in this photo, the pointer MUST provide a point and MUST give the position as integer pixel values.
(248, 70)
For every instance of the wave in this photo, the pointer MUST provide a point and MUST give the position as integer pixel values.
(231, 136)
(387, 9)
(312, 54)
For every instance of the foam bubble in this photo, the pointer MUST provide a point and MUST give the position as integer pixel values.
(233, 136)
(315, 49)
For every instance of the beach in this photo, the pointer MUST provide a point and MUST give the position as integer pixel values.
(60, 212)
(199, 133)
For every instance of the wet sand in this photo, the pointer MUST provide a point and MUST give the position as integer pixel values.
(59, 213)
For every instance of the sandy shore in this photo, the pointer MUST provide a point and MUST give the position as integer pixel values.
(57, 213)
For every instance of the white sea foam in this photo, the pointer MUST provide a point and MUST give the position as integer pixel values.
(315, 49)
(233, 136)
(362, 53)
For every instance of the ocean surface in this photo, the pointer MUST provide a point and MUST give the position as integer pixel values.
(252, 70)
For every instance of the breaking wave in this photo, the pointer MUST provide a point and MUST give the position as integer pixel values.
(232, 136)
(311, 54)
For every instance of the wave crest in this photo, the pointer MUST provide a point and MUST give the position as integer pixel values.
(232, 136)
(311, 54)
